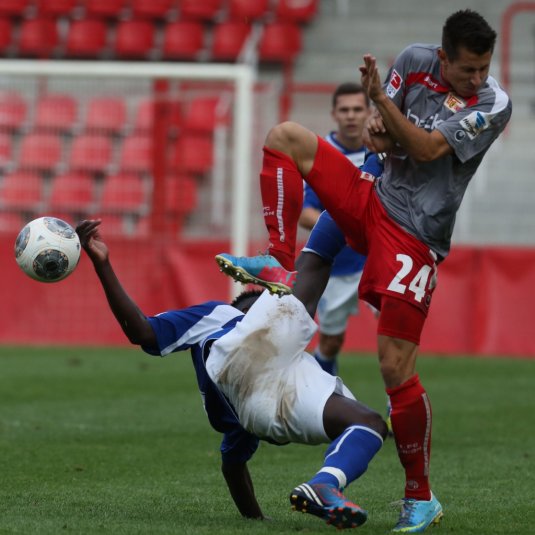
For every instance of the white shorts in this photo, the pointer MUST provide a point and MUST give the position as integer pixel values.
(278, 390)
(338, 302)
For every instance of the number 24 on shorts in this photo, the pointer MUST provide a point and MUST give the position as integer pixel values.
(418, 284)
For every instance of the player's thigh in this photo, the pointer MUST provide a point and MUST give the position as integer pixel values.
(338, 302)
(399, 266)
(342, 189)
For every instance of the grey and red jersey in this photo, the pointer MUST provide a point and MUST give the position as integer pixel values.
(424, 197)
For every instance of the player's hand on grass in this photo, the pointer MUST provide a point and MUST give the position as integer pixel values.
(91, 241)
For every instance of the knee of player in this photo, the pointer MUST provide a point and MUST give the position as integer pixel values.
(378, 424)
(280, 135)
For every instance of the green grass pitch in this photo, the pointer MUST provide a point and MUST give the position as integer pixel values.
(114, 441)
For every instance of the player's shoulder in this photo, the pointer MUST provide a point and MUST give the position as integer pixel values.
(419, 53)
(492, 93)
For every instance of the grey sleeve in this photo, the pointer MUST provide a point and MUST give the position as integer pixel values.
(475, 128)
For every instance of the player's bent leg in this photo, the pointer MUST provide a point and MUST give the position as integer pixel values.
(359, 434)
(296, 141)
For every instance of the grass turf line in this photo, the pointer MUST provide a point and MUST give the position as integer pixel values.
(110, 440)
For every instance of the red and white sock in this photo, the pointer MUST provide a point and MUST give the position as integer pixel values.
(281, 186)
(411, 423)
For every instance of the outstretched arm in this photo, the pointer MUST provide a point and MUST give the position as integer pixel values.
(241, 489)
(132, 321)
(419, 144)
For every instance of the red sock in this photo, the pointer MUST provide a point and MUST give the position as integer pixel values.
(281, 186)
(411, 423)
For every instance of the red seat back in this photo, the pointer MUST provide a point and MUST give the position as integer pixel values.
(229, 39)
(86, 38)
(183, 40)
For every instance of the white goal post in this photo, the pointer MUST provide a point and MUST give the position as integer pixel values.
(241, 76)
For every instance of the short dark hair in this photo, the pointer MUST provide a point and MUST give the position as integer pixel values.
(245, 300)
(467, 29)
(349, 88)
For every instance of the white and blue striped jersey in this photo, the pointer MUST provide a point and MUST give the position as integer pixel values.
(195, 328)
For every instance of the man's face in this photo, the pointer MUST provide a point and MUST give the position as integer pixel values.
(467, 73)
(350, 114)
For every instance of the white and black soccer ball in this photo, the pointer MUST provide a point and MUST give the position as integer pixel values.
(47, 249)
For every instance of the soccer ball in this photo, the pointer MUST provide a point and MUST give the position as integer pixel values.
(47, 249)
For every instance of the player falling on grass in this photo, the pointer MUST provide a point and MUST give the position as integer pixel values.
(257, 383)
(438, 113)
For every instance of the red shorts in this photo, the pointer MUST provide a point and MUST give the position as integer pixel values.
(398, 265)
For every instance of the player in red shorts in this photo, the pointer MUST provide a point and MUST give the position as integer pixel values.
(437, 115)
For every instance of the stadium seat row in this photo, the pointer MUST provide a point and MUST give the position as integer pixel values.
(76, 195)
(143, 40)
(300, 11)
(96, 153)
(68, 113)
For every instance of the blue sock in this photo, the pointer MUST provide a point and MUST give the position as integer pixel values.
(328, 365)
(348, 456)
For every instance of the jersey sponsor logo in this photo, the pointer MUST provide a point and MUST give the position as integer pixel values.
(454, 103)
(367, 176)
(394, 84)
(427, 123)
(474, 123)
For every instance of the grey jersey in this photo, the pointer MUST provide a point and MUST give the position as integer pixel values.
(424, 197)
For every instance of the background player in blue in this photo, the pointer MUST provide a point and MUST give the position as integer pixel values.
(257, 382)
(350, 110)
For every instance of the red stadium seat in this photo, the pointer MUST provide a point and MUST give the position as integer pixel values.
(109, 9)
(13, 8)
(194, 9)
(136, 154)
(151, 9)
(183, 40)
(21, 190)
(201, 115)
(86, 38)
(56, 112)
(280, 42)
(5, 35)
(229, 39)
(145, 115)
(13, 111)
(91, 153)
(72, 192)
(247, 11)
(299, 11)
(55, 8)
(106, 114)
(38, 37)
(134, 39)
(193, 154)
(122, 193)
(40, 151)
(6, 150)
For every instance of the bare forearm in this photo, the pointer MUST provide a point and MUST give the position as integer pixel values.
(241, 489)
(132, 321)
